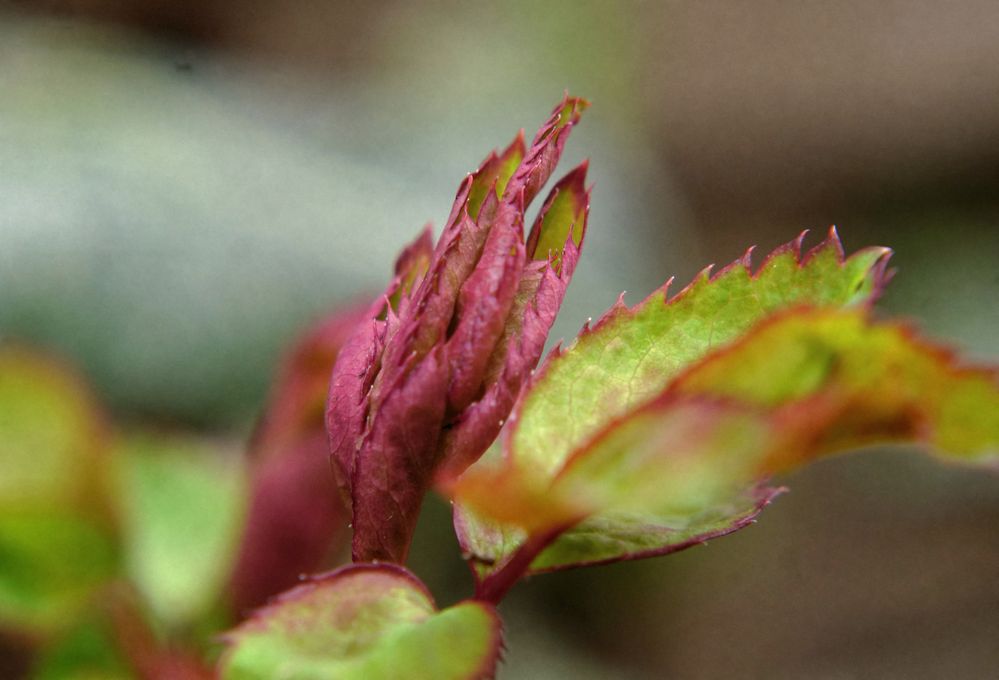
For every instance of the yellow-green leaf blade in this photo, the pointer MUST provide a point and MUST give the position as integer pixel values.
(631, 354)
(693, 463)
(877, 382)
(800, 386)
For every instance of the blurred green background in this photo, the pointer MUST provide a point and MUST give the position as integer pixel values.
(184, 185)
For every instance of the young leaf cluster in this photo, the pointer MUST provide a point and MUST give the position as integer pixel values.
(660, 427)
(664, 425)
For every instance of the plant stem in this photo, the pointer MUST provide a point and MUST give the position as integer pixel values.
(148, 657)
(496, 585)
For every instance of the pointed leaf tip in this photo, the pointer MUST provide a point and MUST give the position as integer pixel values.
(494, 174)
(410, 268)
(545, 150)
(562, 217)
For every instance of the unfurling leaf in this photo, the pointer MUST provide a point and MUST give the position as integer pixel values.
(365, 621)
(423, 386)
(694, 462)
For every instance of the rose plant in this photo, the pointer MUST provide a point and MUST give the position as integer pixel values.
(661, 426)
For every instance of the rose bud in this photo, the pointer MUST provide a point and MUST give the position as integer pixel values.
(424, 385)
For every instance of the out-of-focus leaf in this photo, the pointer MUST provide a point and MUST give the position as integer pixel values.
(295, 524)
(52, 563)
(879, 382)
(364, 622)
(694, 463)
(181, 505)
(87, 652)
(51, 433)
(56, 548)
(297, 519)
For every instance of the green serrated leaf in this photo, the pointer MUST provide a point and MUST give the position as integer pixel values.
(182, 505)
(630, 355)
(878, 382)
(365, 621)
(625, 360)
(800, 386)
(693, 463)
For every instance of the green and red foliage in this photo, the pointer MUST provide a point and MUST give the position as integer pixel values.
(662, 426)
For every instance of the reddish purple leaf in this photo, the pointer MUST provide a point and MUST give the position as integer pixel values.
(358, 363)
(296, 524)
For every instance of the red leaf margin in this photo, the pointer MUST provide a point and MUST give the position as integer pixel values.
(257, 619)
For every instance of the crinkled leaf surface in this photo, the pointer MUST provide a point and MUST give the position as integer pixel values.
(364, 622)
(693, 463)
(539, 294)
(181, 508)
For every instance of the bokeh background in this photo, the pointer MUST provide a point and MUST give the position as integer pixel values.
(184, 185)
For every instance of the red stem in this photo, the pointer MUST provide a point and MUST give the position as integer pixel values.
(496, 585)
(149, 658)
